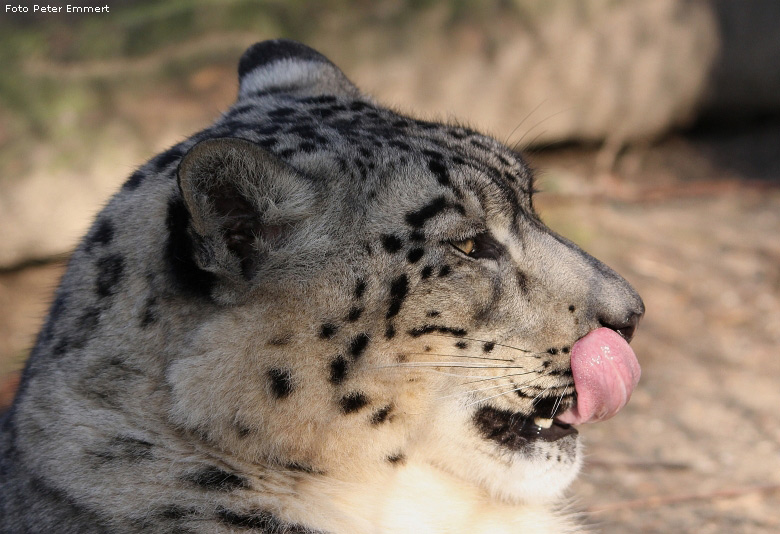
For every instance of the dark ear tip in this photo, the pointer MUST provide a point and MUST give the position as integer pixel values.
(267, 52)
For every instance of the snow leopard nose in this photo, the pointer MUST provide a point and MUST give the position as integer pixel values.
(627, 327)
(615, 304)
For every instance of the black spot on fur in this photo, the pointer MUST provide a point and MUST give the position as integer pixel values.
(338, 370)
(398, 458)
(524, 395)
(242, 431)
(381, 415)
(572, 308)
(125, 448)
(300, 468)
(88, 320)
(281, 382)
(462, 345)
(426, 272)
(441, 172)
(522, 281)
(134, 181)
(488, 346)
(414, 255)
(430, 328)
(171, 155)
(106, 381)
(432, 313)
(268, 143)
(358, 106)
(358, 344)
(149, 315)
(391, 243)
(61, 347)
(398, 291)
(215, 479)
(322, 113)
(566, 373)
(328, 330)
(176, 512)
(353, 402)
(320, 99)
(390, 331)
(57, 308)
(268, 129)
(261, 521)
(278, 113)
(109, 273)
(480, 145)
(400, 145)
(553, 351)
(565, 350)
(287, 153)
(280, 341)
(360, 288)
(418, 218)
(85, 326)
(444, 271)
(186, 275)
(354, 314)
(101, 236)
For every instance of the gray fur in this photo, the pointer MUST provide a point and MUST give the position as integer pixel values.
(256, 309)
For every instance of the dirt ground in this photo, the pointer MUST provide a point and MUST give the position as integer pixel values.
(694, 224)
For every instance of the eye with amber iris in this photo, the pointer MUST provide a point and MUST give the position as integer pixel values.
(466, 246)
(481, 246)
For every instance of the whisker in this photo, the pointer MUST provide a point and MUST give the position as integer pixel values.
(557, 404)
(485, 389)
(445, 373)
(532, 128)
(463, 356)
(448, 364)
(527, 116)
(506, 376)
(499, 395)
(541, 393)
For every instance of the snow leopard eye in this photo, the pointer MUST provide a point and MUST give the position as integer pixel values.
(466, 246)
(481, 246)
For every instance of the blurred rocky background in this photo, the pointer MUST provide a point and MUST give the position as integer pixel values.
(654, 126)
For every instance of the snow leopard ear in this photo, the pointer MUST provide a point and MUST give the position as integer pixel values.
(241, 202)
(287, 66)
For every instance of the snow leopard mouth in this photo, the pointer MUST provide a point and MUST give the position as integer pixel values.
(605, 372)
(516, 431)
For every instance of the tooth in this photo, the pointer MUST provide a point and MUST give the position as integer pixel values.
(544, 423)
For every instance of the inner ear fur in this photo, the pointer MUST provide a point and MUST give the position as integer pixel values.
(241, 199)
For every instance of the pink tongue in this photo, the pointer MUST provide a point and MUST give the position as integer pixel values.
(605, 373)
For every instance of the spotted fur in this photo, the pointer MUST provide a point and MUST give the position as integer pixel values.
(269, 329)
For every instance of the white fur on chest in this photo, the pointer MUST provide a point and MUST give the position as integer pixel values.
(419, 498)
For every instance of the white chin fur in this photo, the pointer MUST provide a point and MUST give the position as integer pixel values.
(538, 474)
